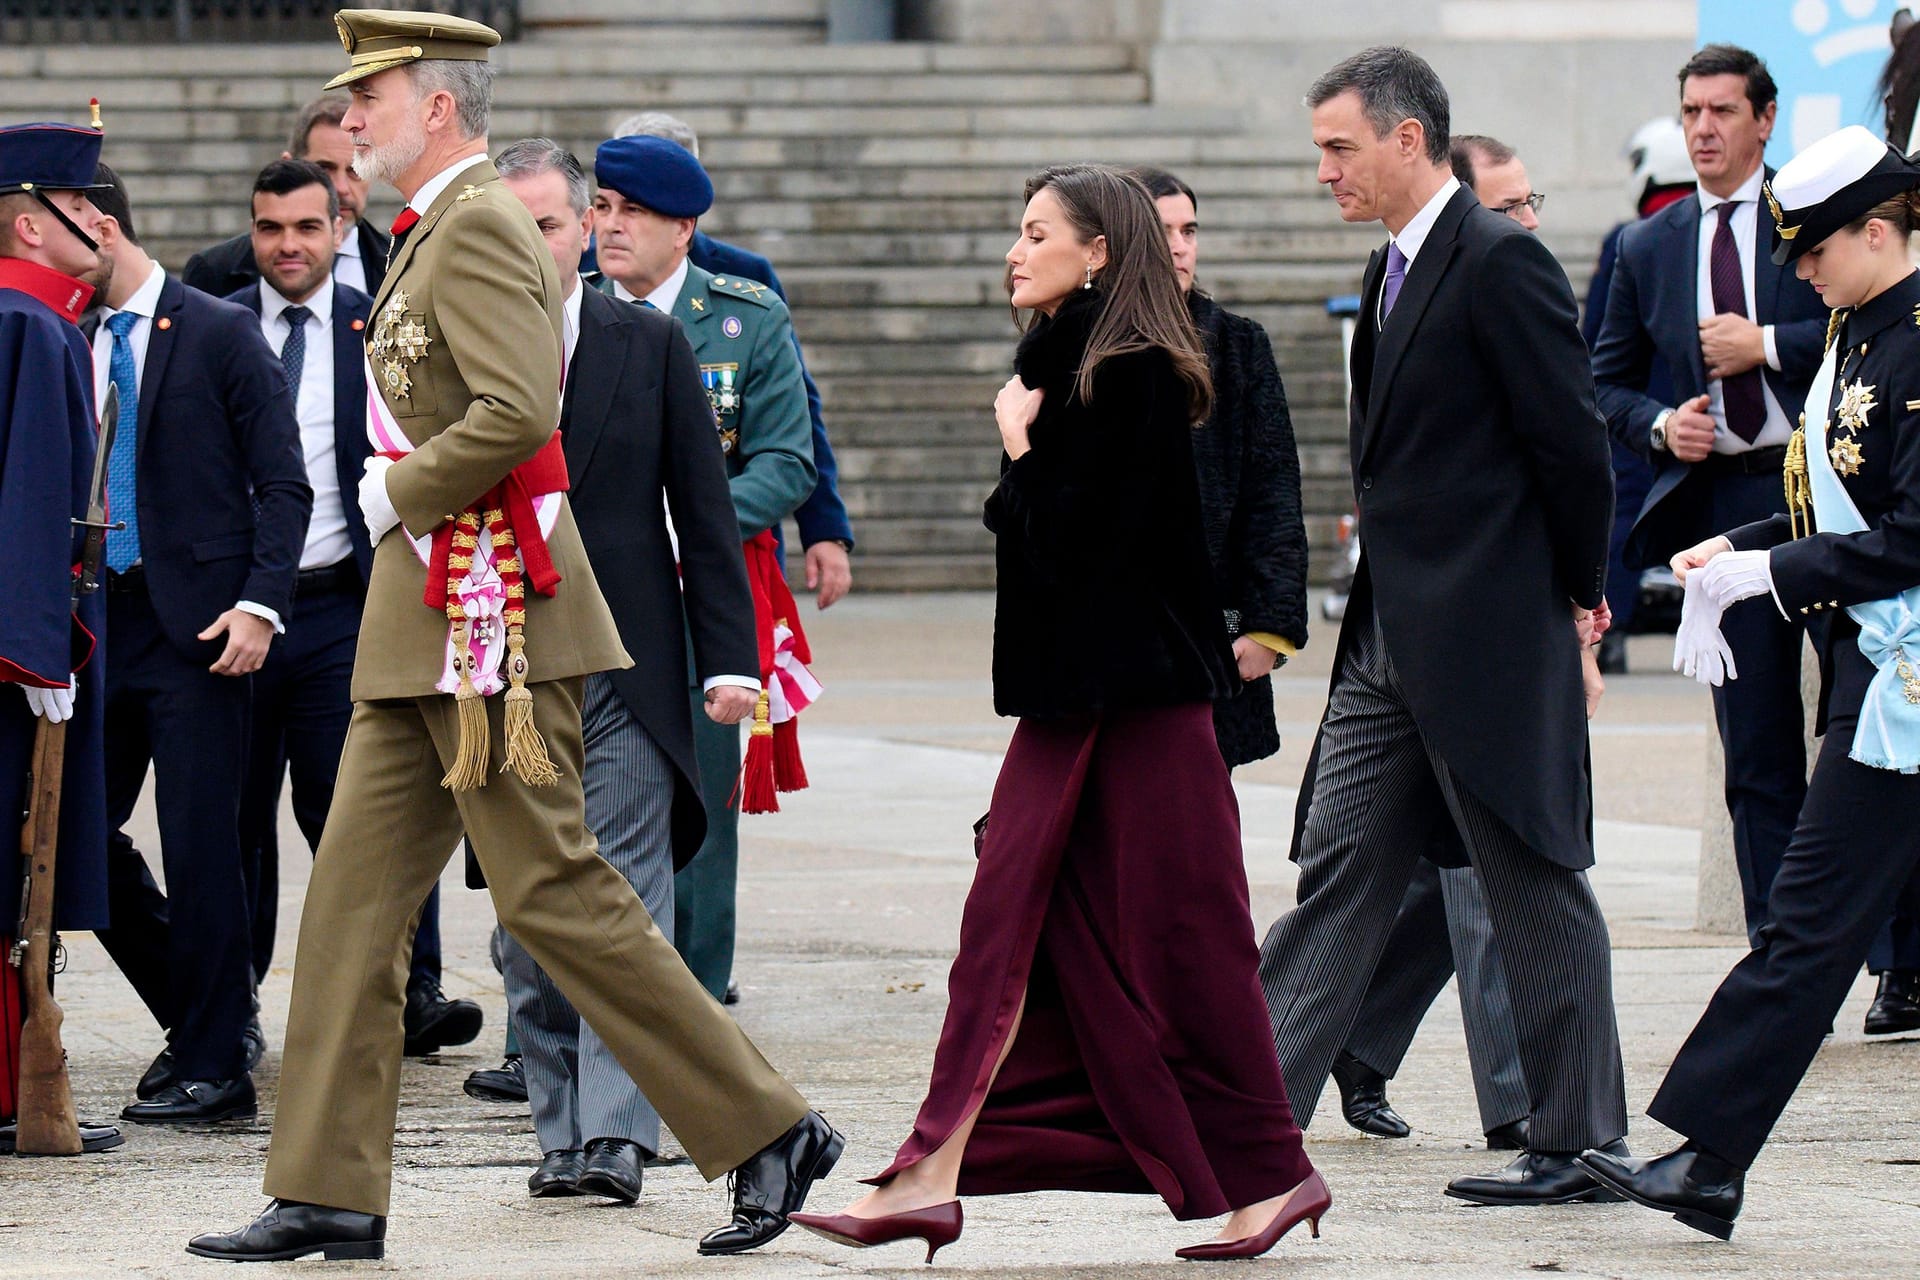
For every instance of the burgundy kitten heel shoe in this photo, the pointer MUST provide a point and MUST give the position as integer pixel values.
(938, 1225)
(1312, 1199)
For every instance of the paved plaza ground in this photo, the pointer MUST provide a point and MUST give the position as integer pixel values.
(849, 910)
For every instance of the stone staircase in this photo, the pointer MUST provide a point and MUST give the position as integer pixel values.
(882, 180)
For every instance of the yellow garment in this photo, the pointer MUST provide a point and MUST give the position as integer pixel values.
(1279, 644)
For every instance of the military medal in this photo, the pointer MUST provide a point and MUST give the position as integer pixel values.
(398, 342)
(1856, 401)
(1846, 456)
(723, 396)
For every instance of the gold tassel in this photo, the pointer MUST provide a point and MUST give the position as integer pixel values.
(1834, 322)
(469, 770)
(1798, 485)
(526, 751)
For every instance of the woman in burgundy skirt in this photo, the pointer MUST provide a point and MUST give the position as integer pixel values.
(1105, 1030)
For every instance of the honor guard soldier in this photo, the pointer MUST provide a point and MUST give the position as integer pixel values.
(48, 256)
(1847, 552)
(652, 192)
(482, 621)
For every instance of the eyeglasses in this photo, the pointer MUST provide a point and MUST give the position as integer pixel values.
(1532, 202)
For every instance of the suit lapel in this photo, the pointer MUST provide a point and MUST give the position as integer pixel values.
(599, 356)
(1366, 336)
(1423, 278)
(163, 332)
(1684, 268)
(693, 307)
(1766, 276)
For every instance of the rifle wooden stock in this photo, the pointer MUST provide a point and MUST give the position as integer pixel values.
(48, 1124)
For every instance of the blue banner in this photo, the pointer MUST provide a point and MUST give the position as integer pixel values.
(1825, 55)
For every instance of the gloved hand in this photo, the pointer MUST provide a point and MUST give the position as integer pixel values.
(1735, 575)
(1700, 652)
(375, 507)
(52, 705)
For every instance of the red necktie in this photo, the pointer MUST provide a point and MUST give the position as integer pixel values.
(1742, 394)
(404, 223)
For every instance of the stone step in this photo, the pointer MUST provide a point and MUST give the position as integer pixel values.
(723, 23)
(954, 571)
(970, 464)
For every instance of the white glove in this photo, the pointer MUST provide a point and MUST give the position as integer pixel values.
(1734, 575)
(376, 508)
(1700, 652)
(52, 705)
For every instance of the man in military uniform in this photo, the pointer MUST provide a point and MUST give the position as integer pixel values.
(652, 192)
(480, 586)
(47, 250)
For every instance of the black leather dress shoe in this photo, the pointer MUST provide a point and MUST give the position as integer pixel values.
(1363, 1099)
(253, 1043)
(733, 994)
(504, 1083)
(775, 1183)
(197, 1102)
(1670, 1184)
(557, 1174)
(1511, 1136)
(289, 1230)
(612, 1170)
(1896, 1006)
(433, 1022)
(162, 1073)
(1538, 1177)
(93, 1137)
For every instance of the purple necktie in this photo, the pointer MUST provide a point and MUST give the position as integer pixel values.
(1741, 395)
(1396, 276)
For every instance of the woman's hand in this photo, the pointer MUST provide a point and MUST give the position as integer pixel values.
(1014, 409)
(1695, 557)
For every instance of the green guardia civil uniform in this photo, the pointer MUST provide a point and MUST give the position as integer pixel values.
(465, 353)
(742, 338)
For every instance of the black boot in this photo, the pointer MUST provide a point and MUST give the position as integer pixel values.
(289, 1230)
(1896, 1006)
(1363, 1099)
(775, 1183)
(433, 1022)
(1696, 1188)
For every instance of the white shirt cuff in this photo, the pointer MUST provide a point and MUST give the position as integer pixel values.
(738, 682)
(1773, 590)
(261, 611)
(1773, 348)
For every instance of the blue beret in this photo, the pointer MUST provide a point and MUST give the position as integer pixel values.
(58, 157)
(659, 174)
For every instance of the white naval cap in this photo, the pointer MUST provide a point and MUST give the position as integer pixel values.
(1830, 184)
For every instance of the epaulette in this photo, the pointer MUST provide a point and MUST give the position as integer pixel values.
(745, 290)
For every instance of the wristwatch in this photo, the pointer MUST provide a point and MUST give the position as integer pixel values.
(1658, 436)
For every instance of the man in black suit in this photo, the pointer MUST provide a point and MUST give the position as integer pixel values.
(208, 476)
(637, 428)
(301, 702)
(360, 258)
(1456, 713)
(1740, 339)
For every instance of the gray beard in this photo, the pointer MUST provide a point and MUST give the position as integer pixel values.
(387, 163)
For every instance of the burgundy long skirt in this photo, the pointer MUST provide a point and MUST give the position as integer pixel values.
(1112, 894)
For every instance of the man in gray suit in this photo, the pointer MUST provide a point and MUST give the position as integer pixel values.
(1455, 717)
(636, 426)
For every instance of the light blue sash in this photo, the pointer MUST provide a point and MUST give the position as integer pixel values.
(1888, 736)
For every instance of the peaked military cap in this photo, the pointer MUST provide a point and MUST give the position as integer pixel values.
(1831, 184)
(378, 39)
(659, 174)
(53, 157)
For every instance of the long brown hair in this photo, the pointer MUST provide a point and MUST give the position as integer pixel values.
(1144, 307)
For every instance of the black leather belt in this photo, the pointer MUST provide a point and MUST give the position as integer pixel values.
(134, 578)
(343, 576)
(1754, 462)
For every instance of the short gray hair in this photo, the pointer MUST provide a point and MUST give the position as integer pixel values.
(328, 108)
(658, 124)
(531, 157)
(469, 82)
(1393, 84)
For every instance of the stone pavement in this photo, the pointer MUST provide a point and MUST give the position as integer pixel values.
(850, 903)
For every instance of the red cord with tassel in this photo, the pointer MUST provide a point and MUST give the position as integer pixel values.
(772, 762)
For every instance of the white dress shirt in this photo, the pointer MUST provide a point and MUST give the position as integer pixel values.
(348, 266)
(144, 302)
(430, 189)
(1744, 225)
(1414, 235)
(327, 540)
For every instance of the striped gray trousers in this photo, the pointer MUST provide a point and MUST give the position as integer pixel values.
(577, 1089)
(1380, 790)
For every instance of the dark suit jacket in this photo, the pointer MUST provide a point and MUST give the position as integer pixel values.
(351, 444)
(635, 423)
(1481, 473)
(823, 516)
(225, 268)
(1653, 323)
(222, 482)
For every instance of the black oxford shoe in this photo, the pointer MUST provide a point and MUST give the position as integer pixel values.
(1896, 1006)
(93, 1137)
(1538, 1177)
(775, 1183)
(433, 1022)
(162, 1073)
(504, 1083)
(557, 1174)
(289, 1230)
(612, 1170)
(1363, 1099)
(1511, 1136)
(1668, 1183)
(253, 1044)
(197, 1102)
